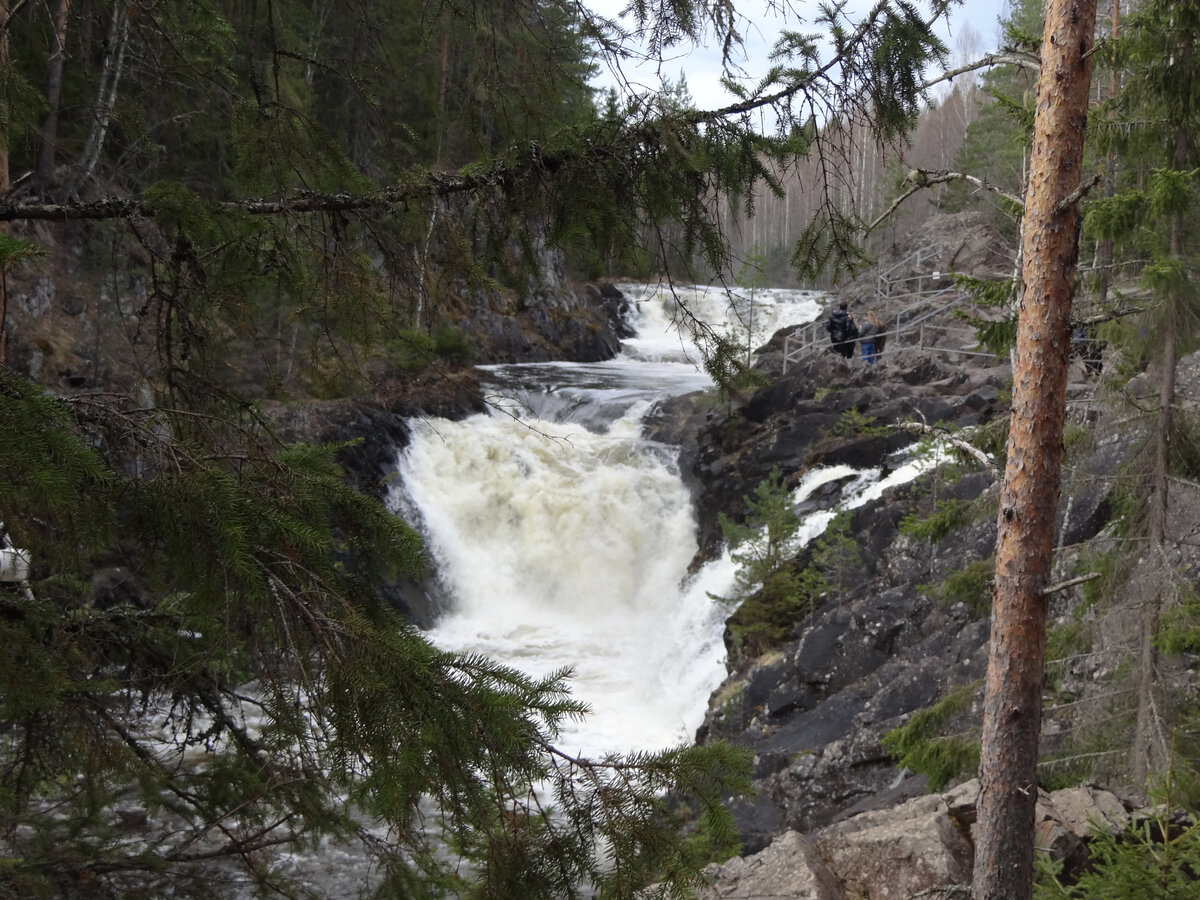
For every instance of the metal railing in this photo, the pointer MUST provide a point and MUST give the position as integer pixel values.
(884, 281)
(914, 320)
(806, 339)
(934, 293)
(926, 340)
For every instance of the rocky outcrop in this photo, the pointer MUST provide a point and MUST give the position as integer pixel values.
(880, 647)
(892, 639)
(810, 417)
(544, 325)
(921, 847)
(374, 429)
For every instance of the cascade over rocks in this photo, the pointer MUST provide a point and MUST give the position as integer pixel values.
(574, 326)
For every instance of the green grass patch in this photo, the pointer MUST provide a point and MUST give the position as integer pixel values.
(971, 586)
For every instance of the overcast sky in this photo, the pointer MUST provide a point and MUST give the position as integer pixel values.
(763, 21)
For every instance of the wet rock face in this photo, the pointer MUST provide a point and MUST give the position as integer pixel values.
(880, 647)
(815, 716)
(824, 412)
(585, 327)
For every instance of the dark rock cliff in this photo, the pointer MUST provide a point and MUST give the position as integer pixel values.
(908, 626)
(879, 647)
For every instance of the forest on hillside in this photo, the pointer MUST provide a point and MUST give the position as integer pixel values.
(270, 200)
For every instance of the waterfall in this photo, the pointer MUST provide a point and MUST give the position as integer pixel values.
(561, 537)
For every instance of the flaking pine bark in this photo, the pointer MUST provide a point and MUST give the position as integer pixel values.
(1029, 498)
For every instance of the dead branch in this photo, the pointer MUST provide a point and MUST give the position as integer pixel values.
(1079, 193)
(1119, 312)
(1070, 582)
(924, 178)
(1004, 56)
(946, 436)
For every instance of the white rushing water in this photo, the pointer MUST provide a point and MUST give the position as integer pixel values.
(562, 537)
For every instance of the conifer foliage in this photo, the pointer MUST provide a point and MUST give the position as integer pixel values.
(1150, 127)
(201, 676)
(229, 678)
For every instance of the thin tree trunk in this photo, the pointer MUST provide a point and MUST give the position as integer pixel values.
(5, 182)
(1147, 752)
(43, 172)
(106, 95)
(1104, 251)
(1029, 498)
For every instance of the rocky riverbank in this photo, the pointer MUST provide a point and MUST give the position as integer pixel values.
(836, 814)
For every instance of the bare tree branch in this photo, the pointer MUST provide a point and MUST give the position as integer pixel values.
(944, 435)
(1080, 192)
(924, 178)
(1070, 582)
(1003, 56)
(1119, 312)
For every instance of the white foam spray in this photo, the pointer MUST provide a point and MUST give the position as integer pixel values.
(564, 545)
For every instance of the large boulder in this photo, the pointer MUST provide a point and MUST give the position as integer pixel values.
(919, 847)
(792, 864)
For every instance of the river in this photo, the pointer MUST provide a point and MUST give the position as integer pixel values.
(562, 537)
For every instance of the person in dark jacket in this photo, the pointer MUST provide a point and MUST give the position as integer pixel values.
(843, 330)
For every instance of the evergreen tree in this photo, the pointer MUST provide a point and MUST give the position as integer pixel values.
(1150, 127)
(996, 148)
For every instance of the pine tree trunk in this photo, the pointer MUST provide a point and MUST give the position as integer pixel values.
(1029, 498)
(43, 173)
